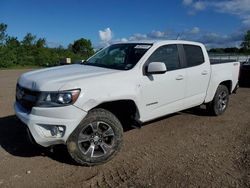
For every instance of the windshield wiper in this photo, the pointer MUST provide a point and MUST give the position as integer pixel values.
(83, 62)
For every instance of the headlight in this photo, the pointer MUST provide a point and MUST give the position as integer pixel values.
(60, 98)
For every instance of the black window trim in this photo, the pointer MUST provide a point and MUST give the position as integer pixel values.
(182, 56)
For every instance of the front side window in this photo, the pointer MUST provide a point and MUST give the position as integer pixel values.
(194, 55)
(119, 56)
(167, 54)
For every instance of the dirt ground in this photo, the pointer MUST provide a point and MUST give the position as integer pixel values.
(186, 149)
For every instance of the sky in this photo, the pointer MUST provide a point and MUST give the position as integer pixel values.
(217, 23)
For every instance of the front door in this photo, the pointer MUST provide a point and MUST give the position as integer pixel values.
(163, 93)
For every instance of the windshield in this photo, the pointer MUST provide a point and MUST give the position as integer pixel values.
(119, 56)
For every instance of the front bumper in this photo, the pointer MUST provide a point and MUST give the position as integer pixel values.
(43, 121)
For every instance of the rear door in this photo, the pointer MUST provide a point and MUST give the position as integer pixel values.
(198, 75)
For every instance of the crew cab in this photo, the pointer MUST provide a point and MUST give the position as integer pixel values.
(87, 106)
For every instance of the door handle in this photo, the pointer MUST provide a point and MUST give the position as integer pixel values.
(179, 77)
(204, 72)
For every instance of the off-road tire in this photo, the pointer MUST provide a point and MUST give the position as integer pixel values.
(220, 101)
(93, 117)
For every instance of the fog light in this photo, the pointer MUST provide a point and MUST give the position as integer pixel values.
(52, 130)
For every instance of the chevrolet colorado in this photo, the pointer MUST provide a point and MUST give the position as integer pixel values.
(86, 106)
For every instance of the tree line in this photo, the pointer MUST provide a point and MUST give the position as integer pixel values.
(243, 49)
(233, 50)
(33, 51)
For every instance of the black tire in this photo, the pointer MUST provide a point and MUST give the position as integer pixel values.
(220, 102)
(97, 139)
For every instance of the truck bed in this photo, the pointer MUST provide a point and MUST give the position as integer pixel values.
(226, 70)
(220, 61)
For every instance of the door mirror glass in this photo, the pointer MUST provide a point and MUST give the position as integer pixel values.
(156, 68)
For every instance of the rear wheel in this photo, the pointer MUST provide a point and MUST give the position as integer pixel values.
(220, 102)
(97, 138)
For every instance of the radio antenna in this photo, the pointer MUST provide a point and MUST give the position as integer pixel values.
(178, 36)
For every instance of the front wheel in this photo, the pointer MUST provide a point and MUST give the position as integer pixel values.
(220, 102)
(97, 138)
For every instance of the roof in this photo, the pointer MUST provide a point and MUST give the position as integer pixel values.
(161, 42)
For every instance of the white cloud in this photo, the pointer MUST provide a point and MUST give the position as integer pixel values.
(199, 5)
(195, 30)
(153, 35)
(105, 35)
(241, 8)
(119, 40)
(194, 6)
(138, 36)
(157, 34)
(216, 40)
(210, 39)
(246, 21)
(187, 2)
(234, 6)
(124, 40)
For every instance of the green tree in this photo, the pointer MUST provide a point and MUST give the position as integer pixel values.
(29, 40)
(246, 42)
(8, 48)
(216, 50)
(82, 47)
(70, 47)
(3, 35)
(8, 57)
(12, 42)
(40, 43)
(34, 52)
(231, 50)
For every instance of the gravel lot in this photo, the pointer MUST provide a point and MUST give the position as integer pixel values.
(186, 149)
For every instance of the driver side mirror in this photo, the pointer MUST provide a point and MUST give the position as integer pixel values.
(156, 68)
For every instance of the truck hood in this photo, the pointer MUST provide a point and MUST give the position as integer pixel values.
(52, 79)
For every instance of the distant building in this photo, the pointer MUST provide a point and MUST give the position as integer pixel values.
(65, 61)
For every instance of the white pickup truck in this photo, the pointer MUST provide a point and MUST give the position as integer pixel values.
(87, 106)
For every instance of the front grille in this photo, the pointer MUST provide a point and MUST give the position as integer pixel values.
(26, 97)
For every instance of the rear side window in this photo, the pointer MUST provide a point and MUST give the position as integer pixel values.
(167, 54)
(194, 55)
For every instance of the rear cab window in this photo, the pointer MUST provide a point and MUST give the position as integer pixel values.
(194, 55)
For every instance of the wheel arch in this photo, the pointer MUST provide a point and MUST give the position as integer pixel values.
(228, 84)
(212, 90)
(125, 110)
